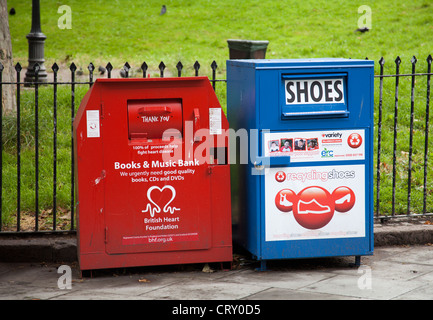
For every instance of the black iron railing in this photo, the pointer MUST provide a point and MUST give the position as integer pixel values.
(410, 146)
(388, 204)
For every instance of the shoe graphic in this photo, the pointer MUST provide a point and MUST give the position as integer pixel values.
(313, 207)
(284, 201)
(344, 199)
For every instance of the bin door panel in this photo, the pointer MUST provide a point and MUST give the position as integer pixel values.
(154, 201)
(157, 210)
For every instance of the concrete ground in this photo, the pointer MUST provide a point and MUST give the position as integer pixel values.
(401, 268)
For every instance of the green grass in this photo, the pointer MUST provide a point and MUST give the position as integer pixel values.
(132, 30)
(46, 158)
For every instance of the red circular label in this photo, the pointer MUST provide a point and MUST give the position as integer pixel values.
(280, 176)
(315, 207)
(344, 199)
(285, 199)
(355, 140)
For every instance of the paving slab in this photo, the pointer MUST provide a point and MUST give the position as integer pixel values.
(397, 272)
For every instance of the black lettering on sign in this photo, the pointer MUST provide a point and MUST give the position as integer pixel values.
(313, 91)
(303, 91)
(290, 92)
(316, 91)
(328, 90)
(338, 91)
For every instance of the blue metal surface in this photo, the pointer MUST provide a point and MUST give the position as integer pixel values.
(327, 103)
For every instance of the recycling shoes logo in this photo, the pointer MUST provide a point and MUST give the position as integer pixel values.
(314, 207)
(280, 176)
(354, 140)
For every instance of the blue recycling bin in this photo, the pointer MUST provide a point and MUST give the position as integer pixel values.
(302, 185)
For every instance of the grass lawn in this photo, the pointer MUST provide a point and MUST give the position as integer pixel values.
(133, 31)
(117, 31)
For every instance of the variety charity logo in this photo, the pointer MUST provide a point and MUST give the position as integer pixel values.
(314, 207)
(160, 197)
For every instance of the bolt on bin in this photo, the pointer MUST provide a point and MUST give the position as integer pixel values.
(153, 180)
(307, 187)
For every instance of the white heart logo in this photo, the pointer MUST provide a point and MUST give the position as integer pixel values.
(157, 208)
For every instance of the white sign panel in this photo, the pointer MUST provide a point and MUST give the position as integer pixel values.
(321, 202)
(92, 123)
(215, 123)
(316, 145)
(314, 91)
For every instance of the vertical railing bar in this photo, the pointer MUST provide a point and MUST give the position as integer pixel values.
(36, 70)
(55, 68)
(397, 64)
(161, 69)
(109, 67)
(214, 66)
(412, 105)
(90, 67)
(196, 68)
(144, 68)
(126, 68)
(18, 70)
(379, 137)
(1, 146)
(427, 116)
(73, 69)
(179, 68)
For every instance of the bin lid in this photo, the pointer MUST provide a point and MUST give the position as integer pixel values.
(303, 63)
(247, 45)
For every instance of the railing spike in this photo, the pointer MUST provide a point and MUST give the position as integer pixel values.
(73, 67)
(398, 60)
(179, 67)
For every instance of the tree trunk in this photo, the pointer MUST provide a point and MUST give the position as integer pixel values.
(8, 100)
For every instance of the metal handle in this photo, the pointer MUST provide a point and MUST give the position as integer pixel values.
(149, 111)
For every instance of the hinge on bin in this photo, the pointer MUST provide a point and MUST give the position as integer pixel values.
(102, 109)
(106, 235)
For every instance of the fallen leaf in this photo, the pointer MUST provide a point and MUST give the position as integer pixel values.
(207, 269)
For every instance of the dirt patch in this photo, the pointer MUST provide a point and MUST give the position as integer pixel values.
(45, 221)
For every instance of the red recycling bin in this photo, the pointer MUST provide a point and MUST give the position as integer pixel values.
(152, 173)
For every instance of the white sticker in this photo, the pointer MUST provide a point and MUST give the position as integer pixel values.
(215, 121)
(309, 146)
(93, 124)
(318, 202)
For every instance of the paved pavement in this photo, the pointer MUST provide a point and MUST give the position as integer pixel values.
(393, 272)
(400, 269)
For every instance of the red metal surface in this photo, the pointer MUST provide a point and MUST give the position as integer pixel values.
(150, 118)
(144, 198)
